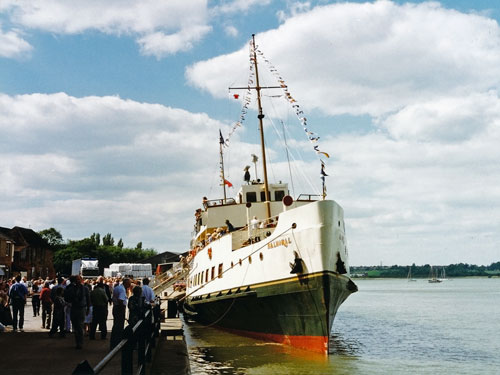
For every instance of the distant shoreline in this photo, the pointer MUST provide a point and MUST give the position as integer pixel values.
(426, 271)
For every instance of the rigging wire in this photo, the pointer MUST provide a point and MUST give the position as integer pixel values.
(288, 157)
(297, 169)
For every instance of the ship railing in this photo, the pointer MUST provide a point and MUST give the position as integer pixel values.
(309, 197)
(141, 336)
(170, 281)
(241, 238)
(219, 202)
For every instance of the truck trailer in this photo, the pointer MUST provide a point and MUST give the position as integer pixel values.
(88, 268)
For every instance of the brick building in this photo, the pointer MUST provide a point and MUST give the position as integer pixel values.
(6, 252)
(31, 253)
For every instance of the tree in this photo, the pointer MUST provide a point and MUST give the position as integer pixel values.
(120, 244)
(53, 237)
(108, 240)
(96, 237)
(139, 246)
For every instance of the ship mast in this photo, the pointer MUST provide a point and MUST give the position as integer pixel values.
(260, 116)
(261, 129)
(221, 143)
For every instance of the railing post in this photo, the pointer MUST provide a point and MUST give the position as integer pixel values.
(127, 351)
(141, 348)
(148, 336)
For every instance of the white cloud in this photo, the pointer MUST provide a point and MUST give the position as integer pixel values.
(236, 6)
(231, 31)
(449, 119)
(158, 44)
(161, 27)
(99, 159)
(294, 8)
(12, 44)
(371, 58)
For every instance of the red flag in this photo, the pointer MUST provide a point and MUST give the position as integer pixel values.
(228, 183)
(236, 96)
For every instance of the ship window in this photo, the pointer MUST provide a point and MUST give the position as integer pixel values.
(206, 276)
(261, 256)
(240, 262)
(202, 276)
(263, 196)
(213, 272)
(251, 196)
(232, 264)
(220, 270)
(279, 195)
(250, 259)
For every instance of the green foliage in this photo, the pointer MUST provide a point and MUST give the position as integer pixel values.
(96, 238)
(452, 270)
(139, 245)
(90, 247)
(108, 240)
(53, 237)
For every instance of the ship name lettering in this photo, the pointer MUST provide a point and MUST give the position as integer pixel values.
(283, 242)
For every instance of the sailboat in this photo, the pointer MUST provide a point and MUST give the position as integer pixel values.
(443, 275)
(265, 265)
(433, 276)
(409, 277)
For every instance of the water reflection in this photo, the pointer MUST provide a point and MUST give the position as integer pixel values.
(213, 351)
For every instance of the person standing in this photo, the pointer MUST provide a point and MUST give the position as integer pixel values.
(35, 298)
(119, 308)
(147, 292)
(79, 297)
(17, 296)
(46, 305)
(99, 301)
(136, 306)
(58, 318)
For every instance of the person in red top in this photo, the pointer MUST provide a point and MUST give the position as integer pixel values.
(46, 305)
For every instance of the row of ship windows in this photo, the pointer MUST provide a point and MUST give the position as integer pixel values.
(204, 277)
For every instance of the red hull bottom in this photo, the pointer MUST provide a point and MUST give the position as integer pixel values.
(317, 344)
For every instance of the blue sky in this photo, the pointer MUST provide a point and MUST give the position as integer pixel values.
(110, 111)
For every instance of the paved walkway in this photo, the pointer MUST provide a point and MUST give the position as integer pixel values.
(34, 352)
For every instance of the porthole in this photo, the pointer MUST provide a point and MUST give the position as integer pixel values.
(240, 262)
(232, 264)
(261, 256)
(250, 259)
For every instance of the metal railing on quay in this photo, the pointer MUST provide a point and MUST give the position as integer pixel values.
(142, 337)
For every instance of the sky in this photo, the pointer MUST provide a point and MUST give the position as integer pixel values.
(110, 115)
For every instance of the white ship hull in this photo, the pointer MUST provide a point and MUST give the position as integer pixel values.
(286, 287)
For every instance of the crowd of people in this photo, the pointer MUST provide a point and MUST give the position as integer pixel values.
(76, 305)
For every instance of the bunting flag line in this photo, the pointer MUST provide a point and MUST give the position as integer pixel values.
(246, 98)
(228, 183)
(313, 138)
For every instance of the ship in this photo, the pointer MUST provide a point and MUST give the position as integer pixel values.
(265, 265)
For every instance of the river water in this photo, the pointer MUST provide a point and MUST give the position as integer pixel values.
(388, 327)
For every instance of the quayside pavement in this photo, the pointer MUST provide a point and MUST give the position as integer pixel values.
(34, 352)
